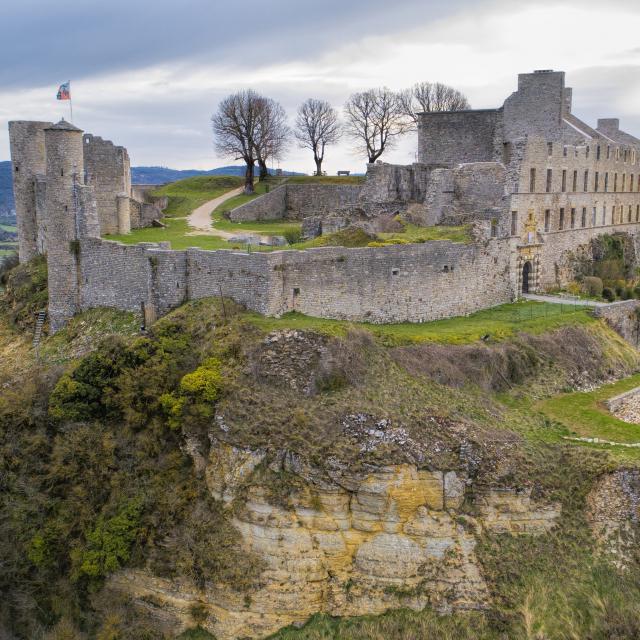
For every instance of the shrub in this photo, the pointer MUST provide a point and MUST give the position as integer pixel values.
(636, 292)
(204, 383)
(109, 544)
(293, 236)
(608, 294)
(592, 286)
(627, 293)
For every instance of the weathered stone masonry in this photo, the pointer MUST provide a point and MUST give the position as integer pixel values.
(384, 284)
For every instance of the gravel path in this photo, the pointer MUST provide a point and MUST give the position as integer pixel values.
(200, 218)
(561, 300)
(629, 410)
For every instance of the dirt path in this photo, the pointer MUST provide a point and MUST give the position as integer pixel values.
(200, 219)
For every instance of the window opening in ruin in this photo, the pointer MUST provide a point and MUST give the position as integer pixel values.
(638, 187)
(598, 152)
(573, 218)
(617, 154)
(532, 180)
(494, 228)
(575, 181)
(594, 221)
(296, 291)
(631, 182)
(637, 212)
(564, 151)
(395, 272)
(596, 181)
(17, 168)
(547, 219)
(62, 172)
(514, 223)
(526, 273)
(561, 219)
(624, 176)
(445, 269)
(549, 148)
(583, 221)
(586, 181)
(549, 178)
(564, 180)
(604, 214)
(615, 182)
(587, 153)
(608, 152)
(606, 182)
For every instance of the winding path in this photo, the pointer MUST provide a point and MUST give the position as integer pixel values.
(200, 219)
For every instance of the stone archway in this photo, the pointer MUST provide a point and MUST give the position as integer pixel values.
(526, 276)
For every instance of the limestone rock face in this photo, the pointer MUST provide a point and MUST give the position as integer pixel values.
(613, 510)
(350, 545)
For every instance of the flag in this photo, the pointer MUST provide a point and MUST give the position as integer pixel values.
(64, 92)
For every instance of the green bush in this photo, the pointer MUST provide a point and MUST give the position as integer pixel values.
(608, 294)
(636, 292)
(627, 293)
(109, 544)
(592, 286)
(293, 236)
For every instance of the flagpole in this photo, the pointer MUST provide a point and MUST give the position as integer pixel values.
(70, 103)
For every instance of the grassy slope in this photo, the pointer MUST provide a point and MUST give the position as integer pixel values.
(498, 323)
(586, 415)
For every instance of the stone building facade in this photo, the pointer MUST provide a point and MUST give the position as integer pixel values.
(536, 183)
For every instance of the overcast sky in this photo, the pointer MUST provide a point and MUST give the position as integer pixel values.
(148, 75)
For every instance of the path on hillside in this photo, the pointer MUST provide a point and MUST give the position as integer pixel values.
(200, 218)
(560, 300)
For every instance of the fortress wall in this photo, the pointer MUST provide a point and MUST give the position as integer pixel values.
(413, 283)
(108, 171)
(396, 183)
(244, 277)
(270, 206)
(387, 284)
(453, 137)
(297, 201)
(479, 191)
(114, 275)
(559, 248)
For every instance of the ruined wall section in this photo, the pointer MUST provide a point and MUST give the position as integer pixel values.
(28, 161)
(386, 284)
(108, 171)
(537, 107)
(297, 201)
(452, 137)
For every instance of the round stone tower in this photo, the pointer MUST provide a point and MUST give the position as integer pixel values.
(65, 179)
(28, 161)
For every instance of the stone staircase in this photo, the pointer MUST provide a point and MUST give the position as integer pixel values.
(41, 316)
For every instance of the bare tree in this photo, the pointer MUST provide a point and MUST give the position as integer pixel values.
(235, 128)
(374, 119)
(429, 97)
(272, 134)
(316, 127)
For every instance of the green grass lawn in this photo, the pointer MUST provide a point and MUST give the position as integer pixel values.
(586, 416)
(9, 227)
(414, 233)
(498, 323)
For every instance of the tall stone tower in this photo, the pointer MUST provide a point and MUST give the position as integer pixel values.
(28, 163)
(70, 216)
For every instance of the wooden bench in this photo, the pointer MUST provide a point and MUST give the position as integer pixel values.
(344, 173)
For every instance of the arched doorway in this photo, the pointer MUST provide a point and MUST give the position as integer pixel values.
(526, 274)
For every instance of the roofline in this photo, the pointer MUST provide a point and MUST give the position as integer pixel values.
(437, 113)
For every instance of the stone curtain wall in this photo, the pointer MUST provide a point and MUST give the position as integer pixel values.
(450, 138)
(107, 170)
(622, 318)
(297, 201)
(414, 283)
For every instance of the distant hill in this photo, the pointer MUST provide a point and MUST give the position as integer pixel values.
(160, 175)
(139, 175)
(6, 189)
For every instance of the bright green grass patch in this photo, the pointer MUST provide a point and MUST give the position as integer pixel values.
(586, 415)
(9, 227)
(188, 194)
(414, 233)
(498, 323)
(8, 252)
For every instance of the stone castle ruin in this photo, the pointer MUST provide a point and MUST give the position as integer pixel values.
(536, 183)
